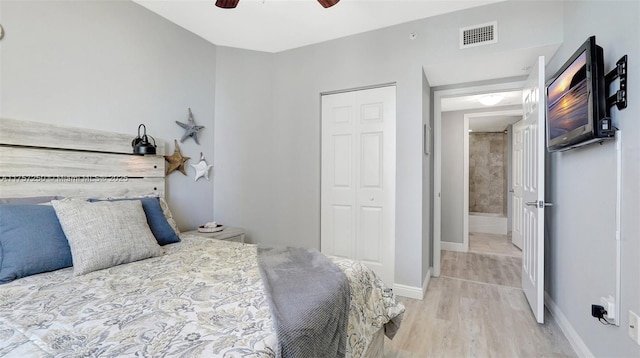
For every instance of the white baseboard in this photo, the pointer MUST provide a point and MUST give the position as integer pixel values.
(488, 224)
(425, 284)
(417, 293)
(574, 339)
(453, 246)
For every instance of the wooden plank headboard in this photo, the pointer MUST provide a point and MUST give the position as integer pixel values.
(39, 159)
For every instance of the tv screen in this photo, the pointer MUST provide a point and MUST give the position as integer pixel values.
(568, 99)
(576, 99)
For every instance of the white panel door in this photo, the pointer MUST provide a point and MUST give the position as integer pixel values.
(358, 178)
(517, 158)
(532, 216)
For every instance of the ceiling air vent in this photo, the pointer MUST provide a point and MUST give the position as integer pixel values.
(478, 35)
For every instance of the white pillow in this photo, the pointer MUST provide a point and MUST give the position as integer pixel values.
(168, 215)
(106, 233)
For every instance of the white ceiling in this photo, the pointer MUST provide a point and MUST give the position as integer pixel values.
(492, 123)
(473, 101)
(278, 25)
(487, 66)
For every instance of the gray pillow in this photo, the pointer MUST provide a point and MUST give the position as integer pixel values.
(106, 233)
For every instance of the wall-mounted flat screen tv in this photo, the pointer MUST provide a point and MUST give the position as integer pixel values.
(576, 100)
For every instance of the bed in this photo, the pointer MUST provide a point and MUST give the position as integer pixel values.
(195, 297)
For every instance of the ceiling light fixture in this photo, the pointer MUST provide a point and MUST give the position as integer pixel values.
(491, 99)
(231, 4)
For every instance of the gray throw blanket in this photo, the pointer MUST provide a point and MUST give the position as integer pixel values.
(309, 300)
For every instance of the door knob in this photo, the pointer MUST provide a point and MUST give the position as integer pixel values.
(538, 204)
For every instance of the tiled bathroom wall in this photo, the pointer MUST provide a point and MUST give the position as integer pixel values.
(487, 173)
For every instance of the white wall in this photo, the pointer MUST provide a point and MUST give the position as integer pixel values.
(111, 66)
(290, 142)
(293, 184)
(580, 242)
(452, 176)
(247, 162)
(427, 161)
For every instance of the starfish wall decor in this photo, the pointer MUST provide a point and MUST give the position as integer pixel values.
(190, 128)
(176, 160)
(202, 168)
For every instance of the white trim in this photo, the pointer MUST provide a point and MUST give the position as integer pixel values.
(465, 183)
(454, 246)
(618, 226)
(416, 293)
(437, 181)
(407, 291)
(574, 339)
(437, 153)
(425, 283)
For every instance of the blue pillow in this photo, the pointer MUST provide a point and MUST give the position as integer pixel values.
(31, 241)
(155, 218)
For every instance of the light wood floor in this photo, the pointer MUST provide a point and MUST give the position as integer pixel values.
(476, 309)
(492, 244)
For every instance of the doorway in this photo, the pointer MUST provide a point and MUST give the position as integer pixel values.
(488, 167)
(439, 96)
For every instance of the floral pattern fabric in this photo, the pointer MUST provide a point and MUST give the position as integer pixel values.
(203, 297)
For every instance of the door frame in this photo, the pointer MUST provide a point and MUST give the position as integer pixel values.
(438, 95)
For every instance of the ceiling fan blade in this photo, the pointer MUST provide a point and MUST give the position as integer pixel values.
(328, 3)
(227, 4)
(231, 4)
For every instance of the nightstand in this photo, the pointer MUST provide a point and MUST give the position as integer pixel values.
(229, 233)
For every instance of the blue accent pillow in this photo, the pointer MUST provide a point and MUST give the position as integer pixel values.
(155, 218)
(31, 241)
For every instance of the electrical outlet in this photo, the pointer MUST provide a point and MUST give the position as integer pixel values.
(633, 326)
(609, 304)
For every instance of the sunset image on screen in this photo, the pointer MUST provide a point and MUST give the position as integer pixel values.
(568, 99)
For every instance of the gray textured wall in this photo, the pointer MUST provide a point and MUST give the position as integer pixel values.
(487, 173)
(111, 65)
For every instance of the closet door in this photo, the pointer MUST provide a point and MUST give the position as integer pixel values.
(358, 177)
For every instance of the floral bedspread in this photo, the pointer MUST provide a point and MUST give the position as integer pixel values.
(202, 298)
